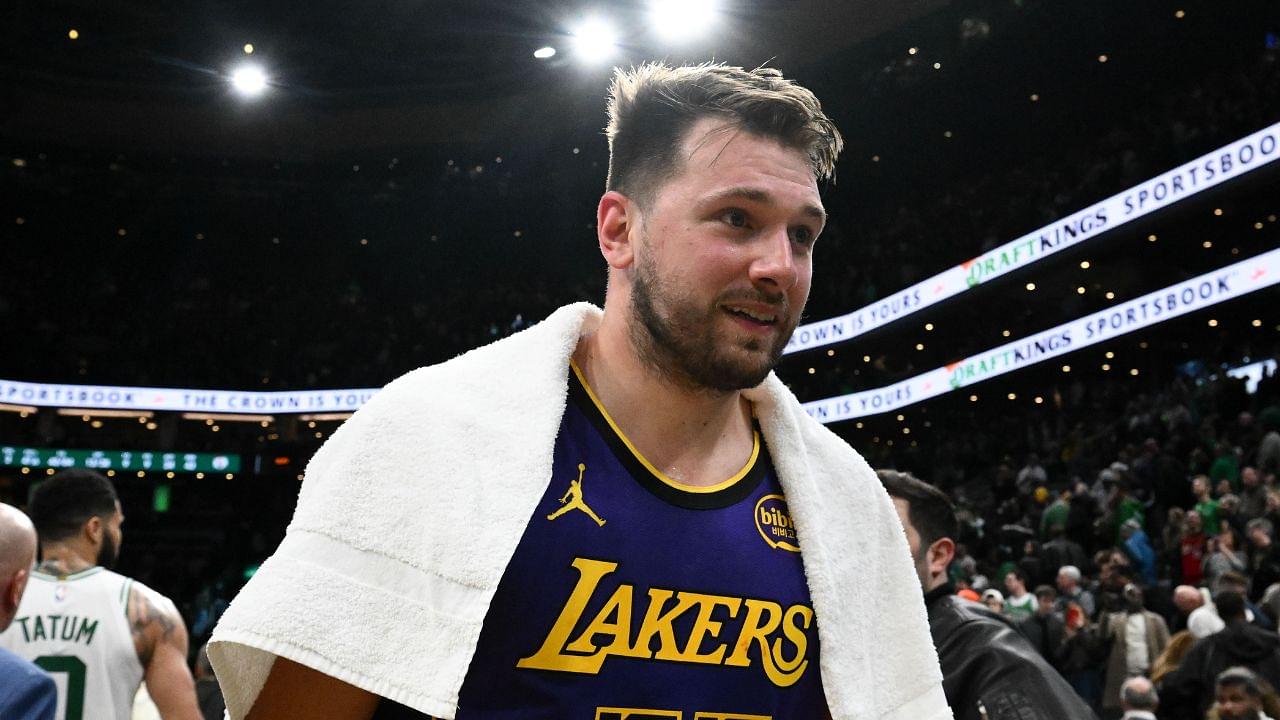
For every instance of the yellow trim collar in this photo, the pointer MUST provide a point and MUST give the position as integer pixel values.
(751, 461)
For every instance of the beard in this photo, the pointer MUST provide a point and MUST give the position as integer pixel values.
(109, 553)
(679, 340)
(921, 561)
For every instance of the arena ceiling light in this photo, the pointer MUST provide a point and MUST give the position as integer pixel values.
(677, 20)
(594, 40)
(249, 80)
(105, 412)
(228, 417)
(545, 52)
(24, 409)
(323, 417)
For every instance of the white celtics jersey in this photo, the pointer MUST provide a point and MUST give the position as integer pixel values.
(77, 628)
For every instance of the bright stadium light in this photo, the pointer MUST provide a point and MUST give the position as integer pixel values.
(681, 19)
(249, 80)
(544, 52)
(594, 40)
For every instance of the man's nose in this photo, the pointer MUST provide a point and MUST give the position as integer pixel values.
(776, 263)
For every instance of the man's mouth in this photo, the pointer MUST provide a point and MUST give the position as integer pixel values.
(758, 317)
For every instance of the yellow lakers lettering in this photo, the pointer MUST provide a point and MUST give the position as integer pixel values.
(622, 628)
(613, 713)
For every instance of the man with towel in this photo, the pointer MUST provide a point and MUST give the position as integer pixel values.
(611, 515)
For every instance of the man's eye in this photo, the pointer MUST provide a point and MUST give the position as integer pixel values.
(803, 235)
(734, 217)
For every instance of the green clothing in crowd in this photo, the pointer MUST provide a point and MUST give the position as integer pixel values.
(1209, 516)
(1130, 507)
(1020, 608)
(1055, 514)
(1226, 467)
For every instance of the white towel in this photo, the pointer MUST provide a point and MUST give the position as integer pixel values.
(411, 511)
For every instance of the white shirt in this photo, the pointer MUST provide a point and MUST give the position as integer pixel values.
(76, 627)
(1137, 660)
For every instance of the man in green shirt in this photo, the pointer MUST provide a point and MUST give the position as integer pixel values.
(1205, 504)
(1226, 466)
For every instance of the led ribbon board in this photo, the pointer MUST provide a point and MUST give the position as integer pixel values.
(97, 397)
(1259, 272)
(117, 460)
(1206, 171)
(1241, 278)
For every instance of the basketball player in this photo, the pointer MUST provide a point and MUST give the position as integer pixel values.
(611, 516)
(100, 634)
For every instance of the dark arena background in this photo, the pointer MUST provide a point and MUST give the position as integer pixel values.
(1053, 233)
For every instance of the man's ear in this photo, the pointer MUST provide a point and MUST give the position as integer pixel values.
(941, 553)
(17, 585)
(93, 529)
(617, 218)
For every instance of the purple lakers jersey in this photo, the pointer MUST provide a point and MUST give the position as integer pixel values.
(633, 597)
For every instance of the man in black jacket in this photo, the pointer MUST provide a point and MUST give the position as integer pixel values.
(1046, 628)
(1240, 643)
(989, 670)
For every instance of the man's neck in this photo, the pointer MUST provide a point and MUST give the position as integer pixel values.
(938, 588)
(694, 437)
(61, 559)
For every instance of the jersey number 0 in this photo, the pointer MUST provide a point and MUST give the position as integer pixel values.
(74, 668)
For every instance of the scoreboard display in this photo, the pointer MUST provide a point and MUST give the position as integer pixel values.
(62, 459)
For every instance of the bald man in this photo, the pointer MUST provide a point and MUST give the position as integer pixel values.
(26, 692)
(1186, 599)
(1138, 699)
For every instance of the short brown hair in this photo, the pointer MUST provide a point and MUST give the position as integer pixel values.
(651, 107)
(928, 508)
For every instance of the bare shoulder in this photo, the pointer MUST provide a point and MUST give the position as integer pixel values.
(153, 619)
(298, 692)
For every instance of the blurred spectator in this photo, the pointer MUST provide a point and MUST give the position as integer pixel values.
(1137, 636)
(1138, 546)
(1226, 553)
(1031, 476)
(1226, 466)
(1061, 550)
(1265, 560)
(1180, 643)
(1239, 694)
(1018, 604)
(1190, 687)
(1205, 505)
(1071, 591)
(1194, 545)
(1253, 495)
(1138, 699)
(1045, 629)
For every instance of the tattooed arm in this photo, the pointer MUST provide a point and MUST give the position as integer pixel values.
(160, 638)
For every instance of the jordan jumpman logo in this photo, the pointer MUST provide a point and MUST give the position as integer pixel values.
(572, 499)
